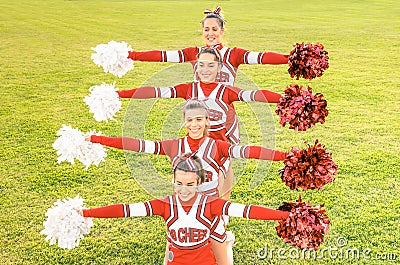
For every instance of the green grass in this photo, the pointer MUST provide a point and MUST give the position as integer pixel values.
(46, 71)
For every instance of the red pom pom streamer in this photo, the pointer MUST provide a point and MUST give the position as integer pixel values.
(308, 60)
(306, 225)
(301, 108)
(309, 168)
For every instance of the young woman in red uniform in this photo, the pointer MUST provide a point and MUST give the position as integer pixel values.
(188, 214)
(212, 154)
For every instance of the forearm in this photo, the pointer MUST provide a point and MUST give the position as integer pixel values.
(117, 142)
(141, 92)
(119, 210)
(274, 58)
(175, 56)
(111, 211)
(223, 207)
(256, 152)
(147, 56)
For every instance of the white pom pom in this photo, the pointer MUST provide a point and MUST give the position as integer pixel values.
(71, 144)
(103, 101)
(113, 57)
(65, 224)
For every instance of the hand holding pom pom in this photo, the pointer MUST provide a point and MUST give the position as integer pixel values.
(310, 168)
(301, 108)
(308, 61)
(103, 101)
(65, 224)
(306, 225)
(71, 144)
(113, 57)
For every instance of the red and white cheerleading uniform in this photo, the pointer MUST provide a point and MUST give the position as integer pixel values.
(216, 96)
(212, 153)
(231, 59)
(188, 223)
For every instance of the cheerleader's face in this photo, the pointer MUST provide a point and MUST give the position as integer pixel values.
(185, 185)
(207, 68)
(195, 122)
(212, 31)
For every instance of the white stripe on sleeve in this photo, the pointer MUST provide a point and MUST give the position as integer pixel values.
(137, 209)
(165, 92)
(236, 209)
(173, 56)
(149, 147)
(253, 57)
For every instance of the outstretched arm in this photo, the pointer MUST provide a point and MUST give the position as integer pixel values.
(132, 144)
(223, 207)
(237, 94)
(149, 208)
(178, 91)
(241, 56)
(175, 56)
(244, 151)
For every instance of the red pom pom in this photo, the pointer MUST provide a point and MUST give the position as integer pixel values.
(301, 108)
(308, 60)
(306, 225)
(310, 168)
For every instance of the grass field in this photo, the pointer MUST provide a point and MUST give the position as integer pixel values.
(46, 71)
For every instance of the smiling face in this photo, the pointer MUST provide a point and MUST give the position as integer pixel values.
(207, 67)
(196, 121)
(185, 184)
(212, 31)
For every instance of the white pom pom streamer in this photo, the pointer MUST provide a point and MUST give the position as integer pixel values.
(113, 57)
(71, 144)
(65, 224)
(103, 101)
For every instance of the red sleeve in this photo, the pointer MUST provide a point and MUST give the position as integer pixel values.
(182, 90)
(274, 58)
(178, 91)
(141, 92)
(149, 208)
(132, 144)
(243, 151)
(147, 56)
(117, 142)
(111, 211)
(223, 148)
(237, 94)
(267, 96)
(174, 56)
(241, 56)
(222, 207)
(264, 213)
(259, 152)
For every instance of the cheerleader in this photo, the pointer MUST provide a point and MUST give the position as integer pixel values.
(188, 213)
